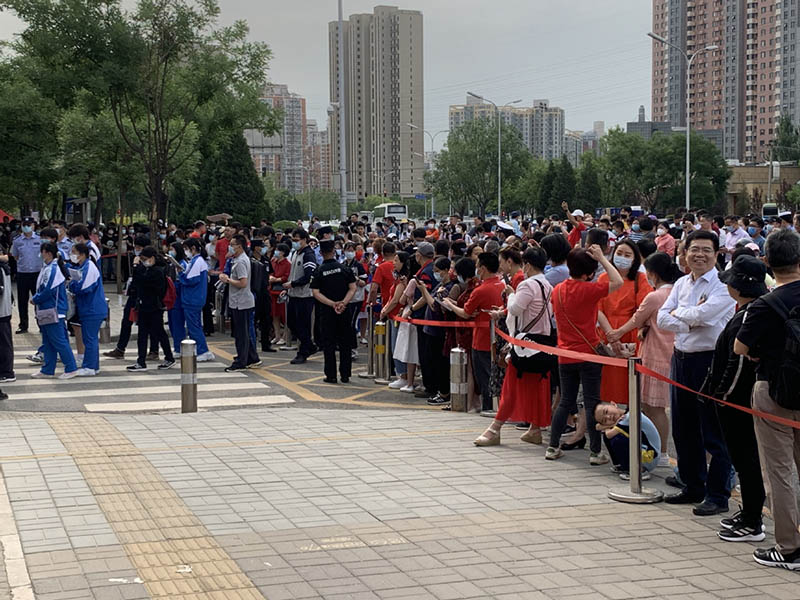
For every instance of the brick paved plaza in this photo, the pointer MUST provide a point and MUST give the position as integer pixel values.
(283, 503)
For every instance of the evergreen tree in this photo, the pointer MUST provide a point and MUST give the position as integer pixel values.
(588, 194)
(235, 186)
(787, 140)
(546, 190)
(563, 186)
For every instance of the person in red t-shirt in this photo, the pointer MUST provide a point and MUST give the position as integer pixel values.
(487, 296)
(575, 304)
(221, 248)
(511, 266)
(384, 276)
(574, 236)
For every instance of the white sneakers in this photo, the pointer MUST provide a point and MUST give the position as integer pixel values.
(40, 375)
(69, 375)
(206, 357)
(397, 384)
(409, 389)
(83, 372)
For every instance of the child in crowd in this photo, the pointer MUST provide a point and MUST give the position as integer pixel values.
(613, 420)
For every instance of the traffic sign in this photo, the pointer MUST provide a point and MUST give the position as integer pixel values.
(420, 197)
(310, 214)
(351, 197)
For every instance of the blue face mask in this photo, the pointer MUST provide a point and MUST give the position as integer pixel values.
(437, 276)
(264, 250)
(162, 236)
(296, 245)
(751, 231)
(636, 227)
(769, 228)
(27, 229)
(173, 254)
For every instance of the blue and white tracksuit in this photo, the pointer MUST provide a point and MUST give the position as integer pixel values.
(90, 304)
(51, 291)
(175, 316)
(194, 290)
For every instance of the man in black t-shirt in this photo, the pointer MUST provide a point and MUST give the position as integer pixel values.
(333, 286)
(762, 337)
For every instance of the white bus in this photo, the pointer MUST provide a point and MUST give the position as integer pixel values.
(398, 211)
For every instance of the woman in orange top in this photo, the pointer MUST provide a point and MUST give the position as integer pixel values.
(616, 309)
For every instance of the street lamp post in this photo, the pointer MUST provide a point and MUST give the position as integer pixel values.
(689, 58)
(432, 138)
(499, 149)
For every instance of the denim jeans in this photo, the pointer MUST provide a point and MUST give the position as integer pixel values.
(572, 376)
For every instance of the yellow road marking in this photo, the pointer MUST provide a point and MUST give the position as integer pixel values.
(310, 396)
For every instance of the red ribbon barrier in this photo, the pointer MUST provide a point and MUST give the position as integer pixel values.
(463, 324)
(604, 360)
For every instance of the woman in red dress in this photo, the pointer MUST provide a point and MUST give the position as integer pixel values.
(525, 396)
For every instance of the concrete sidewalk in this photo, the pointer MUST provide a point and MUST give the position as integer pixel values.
(305, 503)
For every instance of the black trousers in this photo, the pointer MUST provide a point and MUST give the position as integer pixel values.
(6, 347)
(696, 430)
(740, 436)
(126, 327)
(334, 335)
(482, 372)
(26, 287)
(245, 350)
(151, 327)
(264, 319)
(299, 321)
(428, 373)
(438, 365)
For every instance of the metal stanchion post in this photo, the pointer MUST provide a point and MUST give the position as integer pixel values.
(370, 372)
(637, 494)
(493, 340)
(458, 380)
(388, 354)
(219, 310)
(188, 376)
(380, 350)
(105, 328)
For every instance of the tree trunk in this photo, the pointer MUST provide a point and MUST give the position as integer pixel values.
(64, 206)
(98, 208)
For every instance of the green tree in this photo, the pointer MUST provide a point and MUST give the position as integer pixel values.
(588, 192)
(235, 186)
(168, 73)
(28, 140)
(526, 195)
(546, 190)
(787, 140)
(564, 186)
(466, 172)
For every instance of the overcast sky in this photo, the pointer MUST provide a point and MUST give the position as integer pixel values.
(590, 57)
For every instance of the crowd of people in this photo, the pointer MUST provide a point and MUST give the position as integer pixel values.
(707, 301)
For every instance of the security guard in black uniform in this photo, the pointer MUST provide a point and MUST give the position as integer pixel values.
(333, 286)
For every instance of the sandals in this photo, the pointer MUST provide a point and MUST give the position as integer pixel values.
(482, 440)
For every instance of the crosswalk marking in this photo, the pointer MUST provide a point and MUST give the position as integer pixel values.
(176, 404)
(146, 377)
(211, 388)
(122, 367)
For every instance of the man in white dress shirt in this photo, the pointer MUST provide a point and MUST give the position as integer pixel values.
(697, 310)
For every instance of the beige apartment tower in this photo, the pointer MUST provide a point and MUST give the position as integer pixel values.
(383, 83)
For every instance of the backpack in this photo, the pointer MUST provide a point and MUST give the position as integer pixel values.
(783, 377)
(170, 295)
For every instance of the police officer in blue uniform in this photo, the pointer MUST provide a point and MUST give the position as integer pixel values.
(333, 286)
(25, 249)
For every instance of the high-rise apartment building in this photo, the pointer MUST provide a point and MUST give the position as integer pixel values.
(383, 93)
(317, 158)
(742, 87)
(282, 154)
(573, 146)
(540, 125)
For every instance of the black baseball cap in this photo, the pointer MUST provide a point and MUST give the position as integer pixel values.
(746, 276)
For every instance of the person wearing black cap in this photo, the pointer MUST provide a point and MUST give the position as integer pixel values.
(25, 249)
(731, 378)
(333, 286)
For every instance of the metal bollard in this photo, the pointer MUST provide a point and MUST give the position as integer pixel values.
(388, 354)
(219, 310)
(493, 341)
(105, 328)
(637, 494)
(458, 380)
(188, 376)
(370, 372)
(380, 350)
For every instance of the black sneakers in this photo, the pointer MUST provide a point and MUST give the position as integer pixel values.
(438, 400)
(167, 364)
(735, 521)
(743, 533)
(136, 367)
(771, 557)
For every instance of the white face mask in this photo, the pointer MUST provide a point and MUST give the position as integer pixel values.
(622, 262)
(73, 257)
(661, 231)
